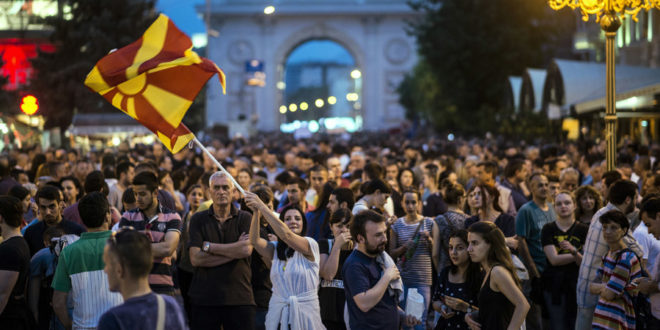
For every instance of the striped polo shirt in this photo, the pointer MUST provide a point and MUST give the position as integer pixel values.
(166, 220)
(80, 272)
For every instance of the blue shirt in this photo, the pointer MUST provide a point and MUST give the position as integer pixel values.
(142, 313)
(361, 273)
(317, 228)
(529, 223)
(42, 263)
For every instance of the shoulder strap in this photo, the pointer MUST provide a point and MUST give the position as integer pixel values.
(160, 323)
(421, 223)
(641, 265)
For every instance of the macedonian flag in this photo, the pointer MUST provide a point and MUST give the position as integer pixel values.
(155, 80)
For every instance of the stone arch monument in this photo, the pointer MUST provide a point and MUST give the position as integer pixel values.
(372, 31)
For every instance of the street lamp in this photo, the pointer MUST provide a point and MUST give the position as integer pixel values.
(608, 12)
(269, 10)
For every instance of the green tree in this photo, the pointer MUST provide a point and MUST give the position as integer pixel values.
(82, 36)
(470, 47)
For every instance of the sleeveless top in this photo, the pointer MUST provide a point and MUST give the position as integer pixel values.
(417, 270)
(495, 310)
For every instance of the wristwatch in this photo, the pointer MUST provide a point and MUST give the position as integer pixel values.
(206, 246)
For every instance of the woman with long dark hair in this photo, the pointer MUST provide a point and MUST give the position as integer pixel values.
(294, 272)
(319, 228)
(451, 220)
(333, 254)
(486, 200)
(588, 202)
(502, 304)
(458, 285)
(406, 179)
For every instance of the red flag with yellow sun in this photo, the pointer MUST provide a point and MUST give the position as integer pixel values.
(155, 80)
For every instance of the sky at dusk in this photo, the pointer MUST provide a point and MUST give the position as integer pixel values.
(183, 13)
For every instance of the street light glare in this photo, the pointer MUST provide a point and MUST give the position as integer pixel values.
(283, 109)
(269, 10)
(293, 107)
(304, 106)
(319, 103)
(332, 100)
(356, 74)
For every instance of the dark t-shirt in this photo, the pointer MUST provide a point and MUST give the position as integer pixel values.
(317, 226)
(142, 313)
(331, 294)
(34, 234)
(434, 205)
(564, 277)
(505, 222)
(15, 257)
(261, 285)
(361, 273)
(227, 284)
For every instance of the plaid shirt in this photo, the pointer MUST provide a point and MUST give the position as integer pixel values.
(594, 250)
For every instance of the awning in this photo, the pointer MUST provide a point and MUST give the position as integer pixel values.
(105, 124)
(514, 98)
(581, 85)
(531, 97)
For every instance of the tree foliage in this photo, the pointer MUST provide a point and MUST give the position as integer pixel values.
(468, 48)
(82, 37)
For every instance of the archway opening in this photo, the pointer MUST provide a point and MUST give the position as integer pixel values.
(322, 89)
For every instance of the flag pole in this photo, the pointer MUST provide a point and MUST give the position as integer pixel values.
(217, 163)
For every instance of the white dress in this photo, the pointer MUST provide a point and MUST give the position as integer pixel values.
(295, 283)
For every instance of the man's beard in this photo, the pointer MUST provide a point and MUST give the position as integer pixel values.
(52, 222)
(375, 250)
(148, 206)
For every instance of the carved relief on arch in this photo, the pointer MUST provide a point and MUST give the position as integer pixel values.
(397, 51)
(240, 51)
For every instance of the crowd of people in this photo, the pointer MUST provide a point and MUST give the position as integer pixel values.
(369, 231)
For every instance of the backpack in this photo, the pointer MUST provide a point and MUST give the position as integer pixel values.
(59, 243)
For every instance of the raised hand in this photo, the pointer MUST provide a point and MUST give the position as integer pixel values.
(342, 239)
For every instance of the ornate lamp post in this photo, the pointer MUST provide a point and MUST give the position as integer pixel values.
(608, 12)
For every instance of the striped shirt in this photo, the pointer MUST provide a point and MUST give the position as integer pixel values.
(618, 313)
(166, 220)
(80, 272)
(594, 250)
(416, 270)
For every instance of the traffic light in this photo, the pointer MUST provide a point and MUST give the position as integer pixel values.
(29, 105)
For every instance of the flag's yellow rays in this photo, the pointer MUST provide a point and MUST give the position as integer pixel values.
(152, 43)
(162, 99)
